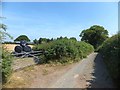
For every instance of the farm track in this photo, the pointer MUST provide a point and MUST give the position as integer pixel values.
(88, 73)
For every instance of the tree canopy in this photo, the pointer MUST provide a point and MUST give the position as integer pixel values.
(35, 41)
(22, 37)
(73, 38)
(95, 35)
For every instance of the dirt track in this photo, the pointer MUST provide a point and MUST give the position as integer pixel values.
(90, 72)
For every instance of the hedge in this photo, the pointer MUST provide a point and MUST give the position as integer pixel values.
(6, 65)
(110, 51)
(65, 48)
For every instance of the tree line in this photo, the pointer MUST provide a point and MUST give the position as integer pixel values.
(95, 35)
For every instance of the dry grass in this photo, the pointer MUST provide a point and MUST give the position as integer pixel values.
(38, 75)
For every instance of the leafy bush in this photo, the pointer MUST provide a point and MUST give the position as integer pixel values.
(65, 50)
(6, 65)
(110, 51)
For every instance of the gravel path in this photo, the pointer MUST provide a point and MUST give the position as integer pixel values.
(90, 72)
(76, 76)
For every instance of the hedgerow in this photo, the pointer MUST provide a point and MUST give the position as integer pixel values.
(110, 51)
(65, 50)
(6, 65)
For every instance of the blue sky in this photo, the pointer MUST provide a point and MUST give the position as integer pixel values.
(55, 19)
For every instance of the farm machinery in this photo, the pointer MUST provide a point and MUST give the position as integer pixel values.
(23, 50)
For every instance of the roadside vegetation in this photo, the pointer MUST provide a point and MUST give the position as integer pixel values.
(6, 57)
(110, 51)
(109, 47)
(6, 65)
(64, 50)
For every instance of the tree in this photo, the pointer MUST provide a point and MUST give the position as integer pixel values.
(73, 38)
(43, 40)
(48, 40)
(66, 38)
(59, 38)
(3, 32)
(3, 26)
(40, 40)
(51, 39)
(22, 37)
(95, 35)
(35, 41)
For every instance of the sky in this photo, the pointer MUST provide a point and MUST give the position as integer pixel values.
(55, 19)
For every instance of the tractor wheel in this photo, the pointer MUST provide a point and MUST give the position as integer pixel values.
(18, 49)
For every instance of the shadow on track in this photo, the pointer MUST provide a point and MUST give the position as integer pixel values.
(100, 75)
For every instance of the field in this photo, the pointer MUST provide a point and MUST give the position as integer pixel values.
(10, 47)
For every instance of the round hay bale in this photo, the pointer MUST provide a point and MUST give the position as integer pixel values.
(18, 49)
(27, 48)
